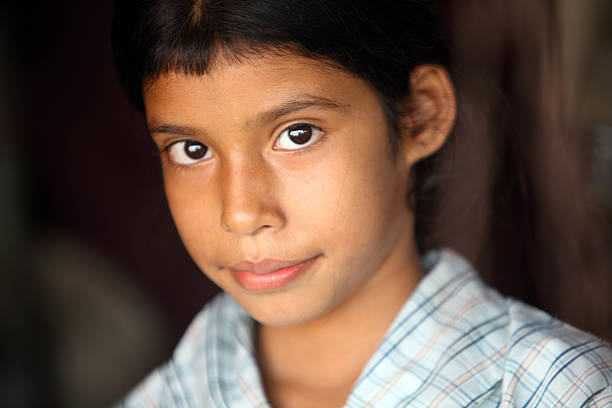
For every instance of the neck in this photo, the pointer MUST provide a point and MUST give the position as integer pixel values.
(327, 355)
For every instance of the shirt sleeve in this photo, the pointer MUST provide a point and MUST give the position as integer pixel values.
(553, 364)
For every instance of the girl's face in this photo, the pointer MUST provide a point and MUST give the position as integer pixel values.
(281, 182)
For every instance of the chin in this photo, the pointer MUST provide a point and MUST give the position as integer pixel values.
(277, 313)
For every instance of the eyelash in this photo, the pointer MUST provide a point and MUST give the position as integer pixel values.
(165, 152)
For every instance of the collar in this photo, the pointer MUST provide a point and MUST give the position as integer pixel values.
(431, 338)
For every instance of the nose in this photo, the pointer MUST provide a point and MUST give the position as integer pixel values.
(248, 203)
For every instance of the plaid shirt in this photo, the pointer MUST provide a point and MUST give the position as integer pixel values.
(455, 343)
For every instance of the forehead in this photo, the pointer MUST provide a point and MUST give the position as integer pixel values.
(252, 84)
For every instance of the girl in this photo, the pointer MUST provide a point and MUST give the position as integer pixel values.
(301, 143)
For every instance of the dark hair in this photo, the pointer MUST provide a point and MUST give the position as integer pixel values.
(380, 42)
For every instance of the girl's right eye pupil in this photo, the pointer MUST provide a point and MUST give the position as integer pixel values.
(195, 150)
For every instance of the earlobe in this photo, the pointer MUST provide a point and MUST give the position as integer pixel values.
(427, 118)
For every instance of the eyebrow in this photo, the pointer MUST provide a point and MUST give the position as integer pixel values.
(296, 104)
(174, 130)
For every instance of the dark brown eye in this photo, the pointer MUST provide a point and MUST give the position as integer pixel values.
(300, 133)
(186, 152)
(297, 136)
(195, 150)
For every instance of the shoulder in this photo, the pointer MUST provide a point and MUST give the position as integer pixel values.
(189, 377)
(459, 342)
(550, 363)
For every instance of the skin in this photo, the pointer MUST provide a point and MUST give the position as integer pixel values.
(341, 198)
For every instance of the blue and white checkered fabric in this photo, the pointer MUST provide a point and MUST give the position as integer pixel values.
(455, 343)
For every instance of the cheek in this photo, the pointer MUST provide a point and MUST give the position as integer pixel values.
(371, 206)
(193, 210)
(349, 200)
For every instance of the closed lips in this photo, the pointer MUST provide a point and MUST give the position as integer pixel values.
(269, 275)
(266, 266)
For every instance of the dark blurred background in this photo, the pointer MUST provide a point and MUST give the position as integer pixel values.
(95, 285)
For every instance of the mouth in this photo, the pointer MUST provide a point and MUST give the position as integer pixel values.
(269, 275)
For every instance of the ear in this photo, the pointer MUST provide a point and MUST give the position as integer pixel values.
(428, 116)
